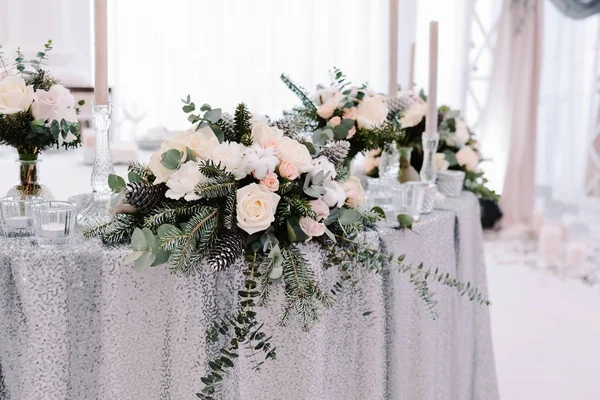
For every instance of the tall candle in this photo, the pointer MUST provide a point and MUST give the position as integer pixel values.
(101, 46)
(393, 81)
(431, 124)
(411, 67)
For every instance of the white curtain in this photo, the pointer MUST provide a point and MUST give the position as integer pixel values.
(566, 110)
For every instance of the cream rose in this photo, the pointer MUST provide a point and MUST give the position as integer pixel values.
(201, 142)
(270, 182)
(414, 115)
(256, 207)
(15, 95)
(265, 135)
(311, 227)
(294, 152)
(371, 112)
(441, 164)
(461, 135)
(468, 158)
(288, 170)
(355, 194)
(320, 208)
(54, 104)
(161, 173)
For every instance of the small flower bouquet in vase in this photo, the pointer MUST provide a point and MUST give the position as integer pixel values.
(36, 113)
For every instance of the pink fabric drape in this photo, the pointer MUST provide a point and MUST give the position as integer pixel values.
(512, 105)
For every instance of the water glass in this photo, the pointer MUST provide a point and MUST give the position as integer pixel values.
(408, 199)
(379, 194)
(16, 215)
(450, 183)
(430, 190)
(54, 222)
(389, 163)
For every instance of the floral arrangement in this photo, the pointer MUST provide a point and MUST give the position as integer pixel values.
(36, 111)
(343, 112)
(458, 148)
(233, 187)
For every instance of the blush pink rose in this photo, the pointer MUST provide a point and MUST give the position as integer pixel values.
(320, 208)
(350, 113)
(311, 227)
(271, 182)
(288, 170)
(326, 110)
(335, 121)
(351, 133)
(270, 142)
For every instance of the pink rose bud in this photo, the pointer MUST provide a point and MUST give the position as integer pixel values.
(326, 110)
(350, 113)
(335, 121)
(288, 170)
(351, 133)
(320, 208)
(271, 182)
(311, 227)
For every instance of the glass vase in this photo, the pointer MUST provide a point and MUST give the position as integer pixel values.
(29, 179)
(407, 172)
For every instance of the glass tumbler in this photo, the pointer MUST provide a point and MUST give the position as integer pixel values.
(54, 222)
(408, 199)
(16, 215)
(379, 194)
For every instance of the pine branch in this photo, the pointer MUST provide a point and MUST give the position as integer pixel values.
(118, 230)
(212, 170)
(293, 205)
(141, 170)
(241, 125)
(221, 186)
(300, 93)
(227, 126)
(171, 214)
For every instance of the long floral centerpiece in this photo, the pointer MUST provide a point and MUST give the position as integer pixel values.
(36, 113)
(233, 187)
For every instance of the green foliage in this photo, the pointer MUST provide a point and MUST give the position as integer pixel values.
(118, 230)
(172, 213)
(405, 221)
(140, 170)
(207, 116)
(220, 186)
(116, 183)
(294, 206)
(311, 108)
(241, 125)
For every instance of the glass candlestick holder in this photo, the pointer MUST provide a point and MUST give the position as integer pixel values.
(103, 167)
(430, 145)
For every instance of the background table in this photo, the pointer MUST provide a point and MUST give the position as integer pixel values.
(77, 323)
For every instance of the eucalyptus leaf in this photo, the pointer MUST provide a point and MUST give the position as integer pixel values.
(311, 148)
(213, 115)
(189, 154)
(379, 211)
(132, 257)
(218, 132)
(151, 239)
(188, 108)
(340, 132)
(165, 229)
(329, 133)
(276, 273)
(133, 177)
(116, 183)
(330, 235)
(138, 240)
(451, 158)
(294, 230)
(318, 178)
(205, 107)
(312, 192)
(347, 123)
(317, 136)
(349, 216)
(161, 257)
(405, 221)
(145, 260)
(171, 159)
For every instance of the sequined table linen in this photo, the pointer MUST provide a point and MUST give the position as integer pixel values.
(76, 323)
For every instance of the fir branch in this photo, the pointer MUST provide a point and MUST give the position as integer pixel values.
(301, 94)
(141, 170)
(170, 213)
(294, 205)
(212, 170)
(221, 186)
(118, 230)
(241, 125)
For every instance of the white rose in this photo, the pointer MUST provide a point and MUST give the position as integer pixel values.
(355, 194)
(322, 163)
(231, 157)
(44, 105)
(468, 158)
(262, 133)
(256, 207)
(260, 161)
(462, 135)
(441, 164)
(201, 142)
(296, 153)
(54, 104)
(182, 182)
(371, 112)
(414, 115)
(335, 195)
(15, 95)
(161, 173)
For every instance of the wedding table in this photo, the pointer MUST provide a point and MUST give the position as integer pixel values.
(75, 323)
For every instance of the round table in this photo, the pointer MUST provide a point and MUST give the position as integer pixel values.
(76, 323)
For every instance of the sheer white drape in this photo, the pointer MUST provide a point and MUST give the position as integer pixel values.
(566, 109)
(224, 52)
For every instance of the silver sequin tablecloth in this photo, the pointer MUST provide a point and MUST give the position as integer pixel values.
(76, 324)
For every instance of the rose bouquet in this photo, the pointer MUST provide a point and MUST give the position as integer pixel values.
(36, 113)
(233, 187)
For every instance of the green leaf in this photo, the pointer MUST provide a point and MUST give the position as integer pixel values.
(151, 239)
(145, 260)
(189, 154)
(133, 177)
(138, 240)
(218, 132)
(81, 102)
(405, 221)
(349, 216)
(188, 108)
(205, 107)
(451, 157)
(213, 115)
(379, 211)
(162, 256)
(171, 159)
(347, 123)
(116, 183)
(422, 95)
(340, 132)
(132, 257)
(294, 230)
(166, 229)
(311, 148)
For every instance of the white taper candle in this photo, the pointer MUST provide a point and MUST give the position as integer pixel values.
(431, 125)
(101, 47)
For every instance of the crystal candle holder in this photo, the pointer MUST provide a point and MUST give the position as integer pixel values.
(430, 190)
(450, 183)
(430, 145)
(54, 222)
(379, 194)
(16, 215)
(408, 199)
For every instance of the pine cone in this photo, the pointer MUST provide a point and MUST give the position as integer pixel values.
(230, 245)
(144, 196)
(285, 124)
(226, 125)
(398, 104)
(337, 152)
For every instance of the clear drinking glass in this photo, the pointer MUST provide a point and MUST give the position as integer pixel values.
(389, 164)
(54, 222)
(408, 199)
(16, 216)
(379, 194)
